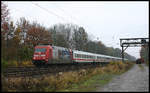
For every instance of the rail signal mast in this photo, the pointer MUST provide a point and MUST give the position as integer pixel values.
(132, 42)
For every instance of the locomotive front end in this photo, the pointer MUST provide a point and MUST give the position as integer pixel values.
(41, 55)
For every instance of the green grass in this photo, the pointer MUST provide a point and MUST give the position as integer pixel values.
(96, 81)
(147, 63)
(141, 67)
(90, 84)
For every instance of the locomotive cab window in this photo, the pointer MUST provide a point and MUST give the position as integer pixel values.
(40, 50)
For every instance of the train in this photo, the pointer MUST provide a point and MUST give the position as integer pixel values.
(140, 61)
(49, 54)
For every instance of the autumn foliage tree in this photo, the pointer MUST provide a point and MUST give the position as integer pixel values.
(38, 35)
(4, 27)
(24, 25)
(4, 13)
(4, 20)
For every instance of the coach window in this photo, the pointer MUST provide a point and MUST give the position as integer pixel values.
(82, 56)
(78, 55)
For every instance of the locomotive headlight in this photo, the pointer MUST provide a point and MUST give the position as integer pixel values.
(33, 57)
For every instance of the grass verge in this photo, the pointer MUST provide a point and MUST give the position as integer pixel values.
(98, 80)
(141, 67)
(82, 80)
(91, 84)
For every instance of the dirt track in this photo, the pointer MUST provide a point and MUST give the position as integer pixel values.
(136, 79)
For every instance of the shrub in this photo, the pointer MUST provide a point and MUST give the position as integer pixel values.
(61, 80)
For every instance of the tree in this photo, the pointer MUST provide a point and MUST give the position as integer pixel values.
(4, 13)
(17, 37)
(80, 38)
(62, 35)
(4, 21)
(24, 26)
(144, 53)
(38, 35)
(5, 28)
(101, 48)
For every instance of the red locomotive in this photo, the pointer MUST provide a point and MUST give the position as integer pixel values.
(47, 54)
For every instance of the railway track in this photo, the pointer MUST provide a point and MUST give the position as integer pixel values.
(52, 69)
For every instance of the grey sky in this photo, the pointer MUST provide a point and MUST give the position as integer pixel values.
(108, 21)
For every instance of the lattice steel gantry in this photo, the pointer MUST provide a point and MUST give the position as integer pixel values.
(132, 42)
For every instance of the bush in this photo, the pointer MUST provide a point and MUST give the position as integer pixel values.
(61, 80)
(4, 64)
(25, 53)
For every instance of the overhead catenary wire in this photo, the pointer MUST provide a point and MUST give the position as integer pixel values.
(72, 17)
(50, 12)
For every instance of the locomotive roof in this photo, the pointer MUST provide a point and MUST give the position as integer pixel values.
(58, 47)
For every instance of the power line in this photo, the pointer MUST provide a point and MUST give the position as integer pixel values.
(55, 13)
(67, 13)
(49, 11)
(71, 16)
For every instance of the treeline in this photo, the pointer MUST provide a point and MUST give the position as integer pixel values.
(18, 40)
(144, 53)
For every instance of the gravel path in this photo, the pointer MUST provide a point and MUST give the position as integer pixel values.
(136, 79)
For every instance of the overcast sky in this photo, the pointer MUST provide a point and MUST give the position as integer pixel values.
(105, 21)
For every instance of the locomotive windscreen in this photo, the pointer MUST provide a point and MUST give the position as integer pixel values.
(40, 49)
